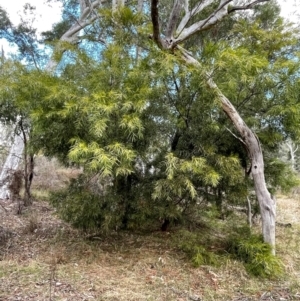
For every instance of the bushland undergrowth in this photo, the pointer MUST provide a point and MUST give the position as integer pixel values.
(212, 257)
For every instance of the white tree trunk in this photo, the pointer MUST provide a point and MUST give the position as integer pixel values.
(266, 203)
(292, 151)
(11, 164)
(174, 36)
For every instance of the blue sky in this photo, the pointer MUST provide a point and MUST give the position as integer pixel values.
(49, 14)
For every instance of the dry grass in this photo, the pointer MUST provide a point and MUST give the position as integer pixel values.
(50, 175)
(46, 259)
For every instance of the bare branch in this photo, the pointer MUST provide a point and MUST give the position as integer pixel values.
(222, 11)
(173, 18)
(71, 35)
(248, 6)
(186, 6)
(83, 5)
(140, 6)
(88, 9)
(215, 17)
(68, 36)
(155, 23)
(189, 14)
(235, 136)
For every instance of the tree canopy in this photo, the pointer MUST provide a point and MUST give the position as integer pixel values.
(136, 95)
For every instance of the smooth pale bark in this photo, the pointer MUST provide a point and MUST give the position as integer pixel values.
(87, 16)
(11, 164)
(266, 203)
(292, 151)
(249, 213)
(171, 43)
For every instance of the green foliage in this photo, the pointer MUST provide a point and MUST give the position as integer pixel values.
(192, 244)
(146, 127)
(236, 242)
(57, 31)
(280, 175)
(84, 207)
(255, 254)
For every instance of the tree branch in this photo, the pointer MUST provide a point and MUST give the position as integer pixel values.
(155, 23)
(248, 6)
(190, 14)
(235, 136)
(211, 20)
(173, 18)
(222, 11)
(71, 35)
(83, 5)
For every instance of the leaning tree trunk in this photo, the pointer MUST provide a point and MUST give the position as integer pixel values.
(266, 203)
(173, 36)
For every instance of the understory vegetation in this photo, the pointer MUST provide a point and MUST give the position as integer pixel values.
(217, 259)
(206, 237)
(172, 137)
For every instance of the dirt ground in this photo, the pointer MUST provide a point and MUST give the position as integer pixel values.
(43, 258)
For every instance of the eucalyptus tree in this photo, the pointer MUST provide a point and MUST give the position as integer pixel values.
(24, 37)
(221, 48)
(186, 20)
